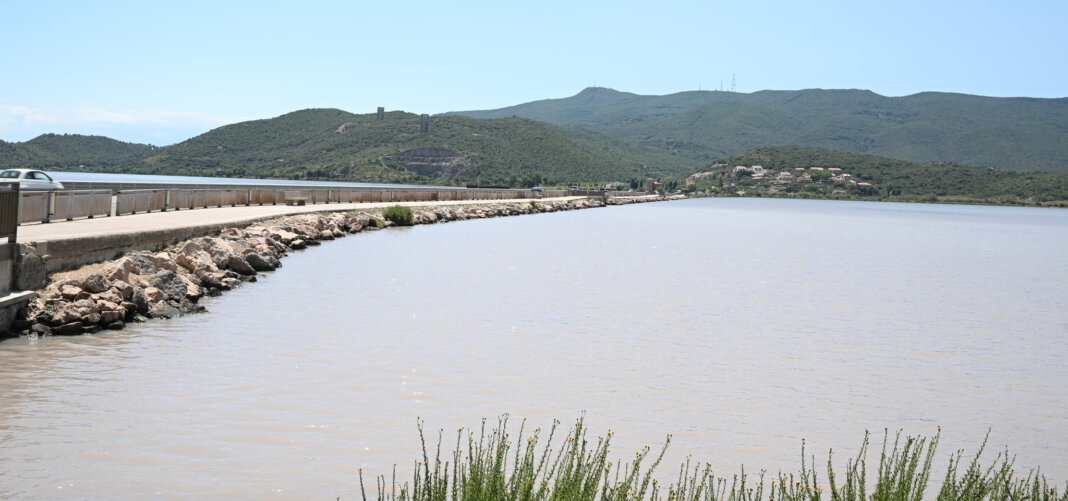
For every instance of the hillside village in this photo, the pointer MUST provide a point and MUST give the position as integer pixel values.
(814, 180)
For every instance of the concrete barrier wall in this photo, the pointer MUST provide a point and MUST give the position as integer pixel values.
(46, 206)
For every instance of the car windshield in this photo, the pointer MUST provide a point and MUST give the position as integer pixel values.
(9, 174)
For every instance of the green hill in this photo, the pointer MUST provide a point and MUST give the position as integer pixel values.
(1013, 134)
(70, 151)
(887, 177)
(337, 145)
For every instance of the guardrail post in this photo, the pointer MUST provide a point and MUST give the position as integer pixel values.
(50, 205)
(10, 217)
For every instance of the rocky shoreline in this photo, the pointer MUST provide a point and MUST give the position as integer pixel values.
(144, 285)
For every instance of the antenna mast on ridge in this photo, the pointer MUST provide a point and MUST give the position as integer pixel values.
(734, 82)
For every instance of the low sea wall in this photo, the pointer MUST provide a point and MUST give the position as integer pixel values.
(164, 282)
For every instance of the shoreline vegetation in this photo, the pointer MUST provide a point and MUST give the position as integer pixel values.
(170, 282)
(490, 465)
(946, 200)
(816, 173)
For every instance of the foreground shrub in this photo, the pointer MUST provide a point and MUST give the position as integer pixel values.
(490, 466)
(399, 215)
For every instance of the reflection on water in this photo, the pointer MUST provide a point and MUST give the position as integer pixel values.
(739, 325)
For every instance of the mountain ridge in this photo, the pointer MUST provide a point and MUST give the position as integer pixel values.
(1017, 133)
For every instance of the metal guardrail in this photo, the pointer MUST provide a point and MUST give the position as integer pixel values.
(34, 206)
(134, 201)
(47, 206)
(82, 203)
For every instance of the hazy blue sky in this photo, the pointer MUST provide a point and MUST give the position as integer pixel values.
(161, 72)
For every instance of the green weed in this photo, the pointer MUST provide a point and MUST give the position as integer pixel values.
(494, 466)
(399, 214)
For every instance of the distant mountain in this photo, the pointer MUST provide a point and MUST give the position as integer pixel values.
(337, 145)
(1014, 134)
(70, 151)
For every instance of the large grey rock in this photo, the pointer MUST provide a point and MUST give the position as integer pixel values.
(193, 291)
(85, 307)
(71, 292)
(122, 268)
(240, 246)
(109, 317)
(163, 309)
(144, 262)
(124, 289)
(140, 301)
(239, 264)
(71, 329)
(258, 262)
(172, 285)
(188, 306)
(111, 295)
(282, 235)
(103, 306)
(218, 249)
(209, 279)
(129, 308)
(164, 261)
(96, 283)
(153, 294)
(64, 313)
(195, 260)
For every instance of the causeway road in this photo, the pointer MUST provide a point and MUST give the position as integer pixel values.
(201, 218)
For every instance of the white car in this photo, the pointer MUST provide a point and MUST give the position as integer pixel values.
(30, 180)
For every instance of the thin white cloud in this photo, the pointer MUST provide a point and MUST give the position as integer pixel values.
(44, 116)
(21, 123)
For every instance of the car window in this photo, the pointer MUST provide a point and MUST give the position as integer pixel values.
(41, 176)
(9, 174)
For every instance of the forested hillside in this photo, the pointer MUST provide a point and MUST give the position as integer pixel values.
(70, 151)
(337, 145)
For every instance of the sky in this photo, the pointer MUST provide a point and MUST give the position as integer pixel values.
(162, 72)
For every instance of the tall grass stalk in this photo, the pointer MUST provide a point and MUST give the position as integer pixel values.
(492, 466)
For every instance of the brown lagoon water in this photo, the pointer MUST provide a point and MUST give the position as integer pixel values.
(739, 325)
